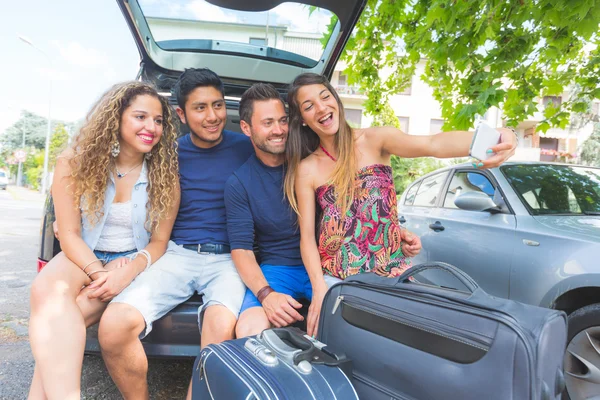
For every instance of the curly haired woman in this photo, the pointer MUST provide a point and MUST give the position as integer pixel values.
(116, 197)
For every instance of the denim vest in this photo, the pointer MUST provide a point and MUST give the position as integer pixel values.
(139, 198)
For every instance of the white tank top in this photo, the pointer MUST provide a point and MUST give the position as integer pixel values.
(117, 233)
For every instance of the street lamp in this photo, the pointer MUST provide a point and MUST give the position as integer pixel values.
(47, 147)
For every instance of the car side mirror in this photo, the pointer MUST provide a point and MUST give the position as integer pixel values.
(476, 201)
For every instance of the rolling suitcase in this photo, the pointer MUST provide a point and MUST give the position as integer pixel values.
(422, 342)
(279, 363)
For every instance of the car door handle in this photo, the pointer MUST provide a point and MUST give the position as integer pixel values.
(402, 219)
(438, 227)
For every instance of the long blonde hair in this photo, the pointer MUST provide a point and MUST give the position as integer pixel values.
(92, 160)
(303, 141)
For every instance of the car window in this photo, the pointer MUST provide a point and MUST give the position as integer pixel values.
(294, 32)
(410, 194)
(465, 182)
(428, 191)
(547, 189)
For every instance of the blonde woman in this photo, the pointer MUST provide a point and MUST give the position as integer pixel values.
(116, 196)
(347, 173)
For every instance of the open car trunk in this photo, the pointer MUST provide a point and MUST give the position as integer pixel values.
(244, 41)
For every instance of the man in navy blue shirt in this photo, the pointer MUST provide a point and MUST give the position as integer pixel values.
(198, 257)
(257, 210)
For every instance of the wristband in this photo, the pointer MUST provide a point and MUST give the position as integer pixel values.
(146, 254)
(90, 263)
(89, 274)
(263, 293)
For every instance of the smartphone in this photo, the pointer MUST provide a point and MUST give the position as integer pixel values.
(485, 137)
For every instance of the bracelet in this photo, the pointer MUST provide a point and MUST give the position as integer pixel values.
(89, 274)
(90, 263)
(146, 254)
(263, 293)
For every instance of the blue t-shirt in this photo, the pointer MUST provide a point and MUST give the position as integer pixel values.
(202, 175)
(256, 206)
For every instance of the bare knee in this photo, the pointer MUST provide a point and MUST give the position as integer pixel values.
(59, 279)
(218, 323)
(252, 322)
(40, 292)
(119, 324)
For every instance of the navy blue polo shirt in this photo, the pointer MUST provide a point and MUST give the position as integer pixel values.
(202, 176)
(256, 207)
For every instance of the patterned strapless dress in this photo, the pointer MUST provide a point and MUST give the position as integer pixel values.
(368, 238)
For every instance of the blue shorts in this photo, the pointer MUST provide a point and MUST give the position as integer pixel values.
(108, 256)
(292, 280)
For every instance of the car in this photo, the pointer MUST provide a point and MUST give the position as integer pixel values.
(244, 41)
(525, 231)
(3, 180)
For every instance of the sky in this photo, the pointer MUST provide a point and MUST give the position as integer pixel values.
(88, 47)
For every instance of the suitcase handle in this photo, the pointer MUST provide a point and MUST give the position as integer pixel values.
(457, 273)
(305, 349)
(276, 338)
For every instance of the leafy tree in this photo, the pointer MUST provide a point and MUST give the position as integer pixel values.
(58, 142)
(34, 127)
(590, 150)
(480, 54)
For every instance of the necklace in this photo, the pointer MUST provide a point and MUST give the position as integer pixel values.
(124, 174)
(327, 153)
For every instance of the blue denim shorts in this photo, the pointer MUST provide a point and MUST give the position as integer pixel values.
(108, 256)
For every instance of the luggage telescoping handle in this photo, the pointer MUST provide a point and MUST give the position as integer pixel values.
(303, 348)
(457, 273)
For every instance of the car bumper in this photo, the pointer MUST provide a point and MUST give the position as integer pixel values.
(176, 335)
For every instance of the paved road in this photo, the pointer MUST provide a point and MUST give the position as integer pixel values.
(20, 213)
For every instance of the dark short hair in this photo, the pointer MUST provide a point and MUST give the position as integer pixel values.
(256, 92)
(193, 78)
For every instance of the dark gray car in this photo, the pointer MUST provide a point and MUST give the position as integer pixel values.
(525, 231)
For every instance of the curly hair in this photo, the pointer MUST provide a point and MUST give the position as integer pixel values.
(92, 159)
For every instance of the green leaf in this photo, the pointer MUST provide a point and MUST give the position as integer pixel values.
(358, 229)
(374, 213)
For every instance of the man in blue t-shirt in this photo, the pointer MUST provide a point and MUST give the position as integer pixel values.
(257, 211)
(198, 257)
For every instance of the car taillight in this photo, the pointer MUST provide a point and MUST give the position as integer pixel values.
(41, 264)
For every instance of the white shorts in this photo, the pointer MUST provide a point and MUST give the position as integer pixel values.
(174, 278)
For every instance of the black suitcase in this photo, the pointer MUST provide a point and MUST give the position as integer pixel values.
(421, 342)
(277, 364)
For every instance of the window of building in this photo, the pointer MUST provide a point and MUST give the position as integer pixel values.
(435, 125)
(404, 123)
(354, 117)
(258, 41)
(343, 80)
(429, 190)
(554, 100)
